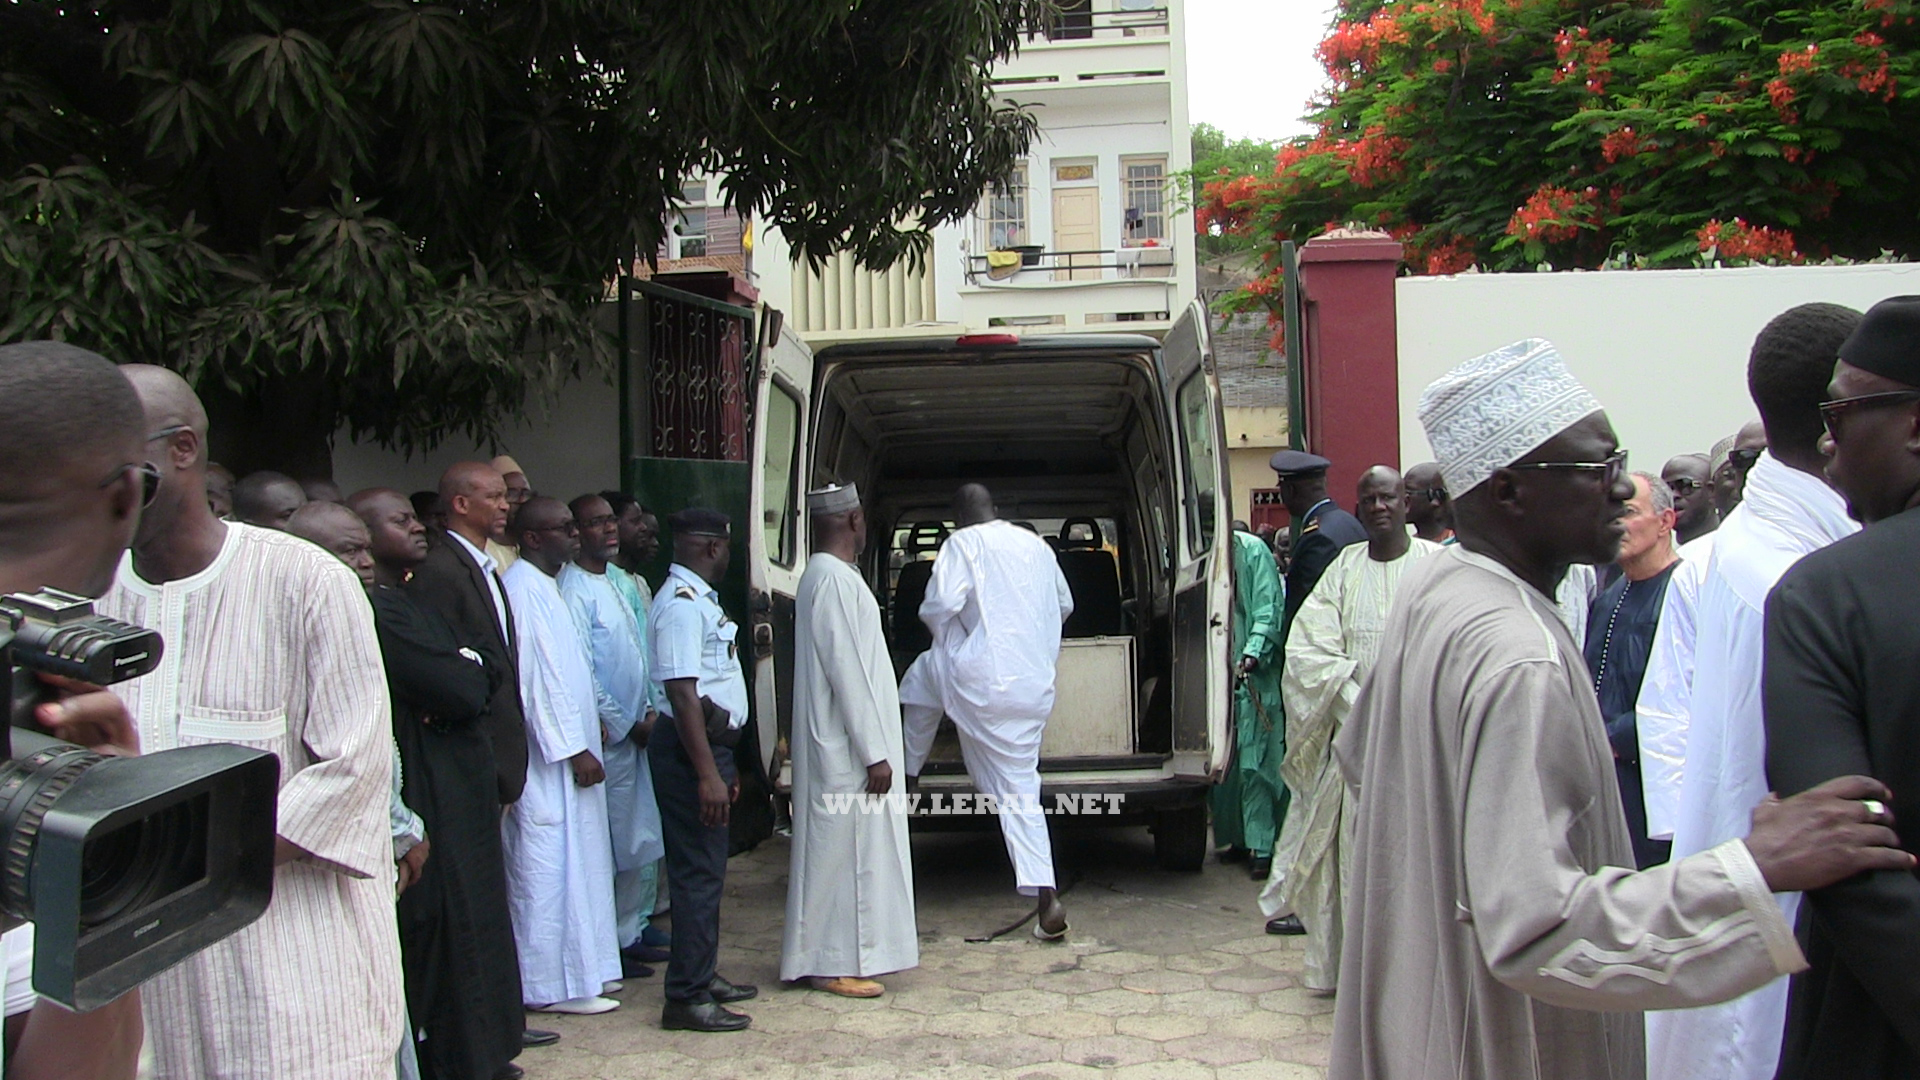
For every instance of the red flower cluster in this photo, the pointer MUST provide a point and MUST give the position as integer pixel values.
(1871, 80)
(1466, 16)
(1452, 254)
(1552, 214)
(1353, 48)
(1227, 203)
(1623, 143)
(1782, 95)
(1799, 62)
(1374, 157)
(1579, 56)
(1738, 240)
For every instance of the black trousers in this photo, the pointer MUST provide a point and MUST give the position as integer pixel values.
(696, 862)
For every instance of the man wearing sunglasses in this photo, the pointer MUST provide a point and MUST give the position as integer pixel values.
(1787, 511)
(1842, 697)
(1690, 478)
(1491, 856)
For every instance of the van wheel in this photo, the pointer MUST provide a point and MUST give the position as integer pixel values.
(1180, 838)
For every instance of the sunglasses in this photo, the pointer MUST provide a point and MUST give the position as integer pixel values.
(1611, 469)
(149, 480)
(1684, 484)
(1434, 494)
(1744, 458)
(1833, 413)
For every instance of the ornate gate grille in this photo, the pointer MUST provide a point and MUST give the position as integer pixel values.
(685, 365)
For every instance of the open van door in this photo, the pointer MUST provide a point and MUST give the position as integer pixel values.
(778, 545)
(1203, 554)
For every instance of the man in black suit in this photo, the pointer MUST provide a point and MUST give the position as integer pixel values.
(1322, 527)
(1841, 698)
(459, 580)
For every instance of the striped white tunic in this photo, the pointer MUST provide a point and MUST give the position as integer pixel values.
(272, 646)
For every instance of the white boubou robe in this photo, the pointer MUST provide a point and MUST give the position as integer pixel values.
(558, 849)
(995, 606)
(1666, 693)
(612, 632)
(272, 646)
(850, 883)
(1331, 649)
(1784, 515)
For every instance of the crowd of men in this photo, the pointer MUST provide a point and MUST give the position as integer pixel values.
(1537, 802)
(1529, 746)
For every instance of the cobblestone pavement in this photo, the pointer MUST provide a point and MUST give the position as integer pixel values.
(1165, 976)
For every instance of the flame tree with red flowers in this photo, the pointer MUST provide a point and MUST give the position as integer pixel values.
(1511, 134)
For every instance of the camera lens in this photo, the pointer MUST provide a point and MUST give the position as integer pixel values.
(28, 788)
(142, 861)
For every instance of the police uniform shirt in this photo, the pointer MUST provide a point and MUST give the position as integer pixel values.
(694, 639)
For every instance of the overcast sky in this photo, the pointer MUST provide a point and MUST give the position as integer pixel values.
(1250, 63)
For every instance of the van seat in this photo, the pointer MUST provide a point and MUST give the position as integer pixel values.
(1094, 578)
(911, 636)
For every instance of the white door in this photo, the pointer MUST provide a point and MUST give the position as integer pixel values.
(1076, 228)
(777, 548)
(1203, 556)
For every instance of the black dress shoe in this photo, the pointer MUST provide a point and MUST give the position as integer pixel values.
(645, 954)
(535, 1037)
(1286, 924)
(703, 1016)
(1259, 869)
(633, 969)
(726, 993)
(509, 1071)
(1234, 854)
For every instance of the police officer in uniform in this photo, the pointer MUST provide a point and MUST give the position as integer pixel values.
(1321, 528)
(696, 661)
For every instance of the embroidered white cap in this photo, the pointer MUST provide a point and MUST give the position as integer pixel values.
(1495, 409)
(833, 499)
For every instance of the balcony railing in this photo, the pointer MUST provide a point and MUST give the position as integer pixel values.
(1033, 264)
(1082, 24)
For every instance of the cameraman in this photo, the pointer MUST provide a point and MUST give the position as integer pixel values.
(74, 481)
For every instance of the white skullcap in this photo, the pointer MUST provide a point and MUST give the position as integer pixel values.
(833, 499)
(1495, 409)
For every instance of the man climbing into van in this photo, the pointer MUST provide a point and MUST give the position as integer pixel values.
(995, 606)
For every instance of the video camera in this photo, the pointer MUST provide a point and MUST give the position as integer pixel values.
(125, 866)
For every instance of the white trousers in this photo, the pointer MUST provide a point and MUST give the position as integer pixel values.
(1007, 769)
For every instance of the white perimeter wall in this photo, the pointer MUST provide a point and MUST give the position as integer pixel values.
(1664, 350)
(569, 445)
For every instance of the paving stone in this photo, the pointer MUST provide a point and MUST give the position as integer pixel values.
(1071, 1024)
(1313, 1050)
(1248, 946)
(1011, 1051)
(1120, 963)
(1162, 982)
(820, 1046)
(988, 982)
(1209, 1003)
(750, 1067)
(1023, 1002)
(1259, 1025)
(973, 1025)
(883, 1024)
(1241, 983)
(648, 1063)
(1110, 1051)
(1213, 1050)
(1268, 1070)
(937, 999)
(1075, 981)
(1297, 1000)
(919, 1051)
(1205, 962)
(834, 1003)
(1116, 1002)
(1160, 1027)
(1165, 1070)
(1053, 1070)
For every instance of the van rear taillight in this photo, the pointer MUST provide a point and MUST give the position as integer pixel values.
(987, 339)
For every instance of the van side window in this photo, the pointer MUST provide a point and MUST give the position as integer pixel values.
(1197, 428)
(783, 443)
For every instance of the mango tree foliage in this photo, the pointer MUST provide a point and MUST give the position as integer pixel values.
(1514, 133)
(400, 214)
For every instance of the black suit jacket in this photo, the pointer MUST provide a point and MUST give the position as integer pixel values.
(1841, 697)
(1322, 535)
(450, 582)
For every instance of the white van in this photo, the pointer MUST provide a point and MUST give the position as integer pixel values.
(1111, 447)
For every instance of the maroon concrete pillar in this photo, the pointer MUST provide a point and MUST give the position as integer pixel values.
(1352, 378)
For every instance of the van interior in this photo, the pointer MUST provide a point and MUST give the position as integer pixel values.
(1071, 440)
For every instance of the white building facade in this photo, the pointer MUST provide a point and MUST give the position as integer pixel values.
(1087, 237)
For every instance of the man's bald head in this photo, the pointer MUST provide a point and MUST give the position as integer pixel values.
(474, 498)
(340, 532)
(467, 478)
(168, 400)
(1381, 503)
(267, 499)
(71, 428)
(972, 504)
(399, 536)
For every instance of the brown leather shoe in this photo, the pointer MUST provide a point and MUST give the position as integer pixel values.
(848, 986)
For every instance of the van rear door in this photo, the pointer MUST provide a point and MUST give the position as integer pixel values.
(783, 380)
(1202, 559)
